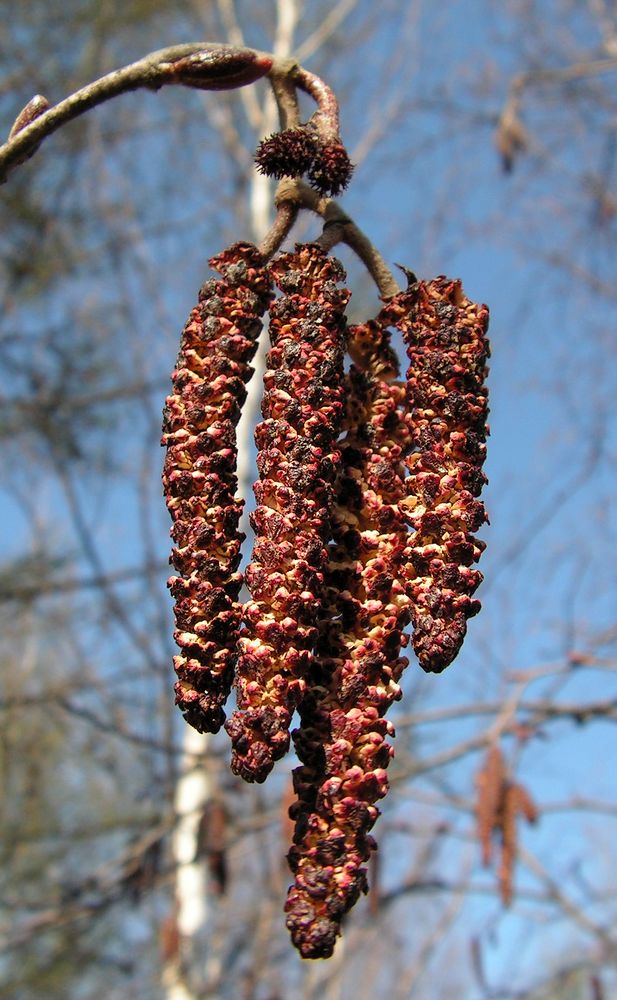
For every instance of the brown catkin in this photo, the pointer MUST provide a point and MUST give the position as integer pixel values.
(489, 784)
(297, 461)
(445, 336)
(515, 801)
(525, 805)
(342, 739)
(499, 802)
(507, 828)
(199, 477)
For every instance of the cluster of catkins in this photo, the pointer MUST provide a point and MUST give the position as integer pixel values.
(367, 504)
(500, 801)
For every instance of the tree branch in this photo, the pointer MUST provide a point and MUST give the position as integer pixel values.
(205, 65)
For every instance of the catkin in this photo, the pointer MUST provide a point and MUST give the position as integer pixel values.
(445, 337)
(199, 477)
(297, 461)
(489, 784)
(342, 740)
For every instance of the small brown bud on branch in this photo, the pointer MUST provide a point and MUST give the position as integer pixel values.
(35, 107)
(221, 68)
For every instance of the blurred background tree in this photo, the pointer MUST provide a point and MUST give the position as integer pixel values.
(484, 138)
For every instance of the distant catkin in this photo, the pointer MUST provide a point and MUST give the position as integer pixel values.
(508, 830)
(499, 802)
(445, 336)
(516, 801)
(342, 741)
(199, 477)
(489, 785)
(297, 460)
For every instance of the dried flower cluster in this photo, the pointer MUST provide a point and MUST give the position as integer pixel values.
(499, 802)
(366, 504)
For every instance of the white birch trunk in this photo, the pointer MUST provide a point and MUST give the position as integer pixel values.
(193, 789)
(186, 973)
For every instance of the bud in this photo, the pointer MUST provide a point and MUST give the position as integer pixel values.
(35, 107)
(287, 154)
(298, 151)
(220, 67)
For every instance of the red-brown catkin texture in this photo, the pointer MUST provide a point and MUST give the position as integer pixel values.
(445, 335)
(200, 481)
(297, 461)
(342, 738)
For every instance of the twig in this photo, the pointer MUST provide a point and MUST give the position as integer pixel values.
(339, 228)
(205, 65)
(564, 902)
(286, 215)
(579, 712)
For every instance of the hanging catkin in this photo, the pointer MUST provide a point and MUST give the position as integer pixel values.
(297, 461)
(445, 336)
(342, 741)
(200, 482)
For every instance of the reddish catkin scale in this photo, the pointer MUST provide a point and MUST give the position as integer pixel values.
(297, 461)
(342, 739)
(200, 482)
(445, 336)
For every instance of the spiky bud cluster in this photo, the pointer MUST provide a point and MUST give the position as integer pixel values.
(199, 478)
(342, 741)
(331, 169)
(445, 336)
(289, 153)
(297, 151)
(297, 461)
